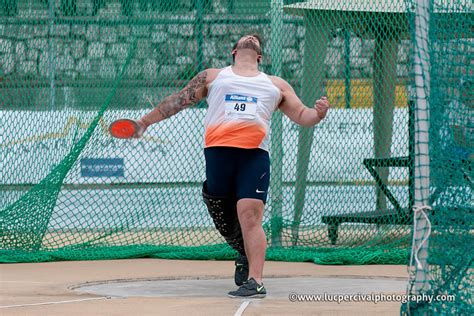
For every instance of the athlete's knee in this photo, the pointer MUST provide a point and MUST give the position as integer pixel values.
(250, 212)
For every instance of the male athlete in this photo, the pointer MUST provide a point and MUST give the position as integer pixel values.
(241, 101)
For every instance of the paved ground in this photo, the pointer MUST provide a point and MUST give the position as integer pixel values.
(278, 288)
(58, 288)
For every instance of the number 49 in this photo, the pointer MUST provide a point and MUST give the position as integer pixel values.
(239, 107)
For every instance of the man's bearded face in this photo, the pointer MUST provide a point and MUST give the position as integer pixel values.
(250, 42)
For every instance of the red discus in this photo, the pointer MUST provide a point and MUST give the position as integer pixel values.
(123, 128)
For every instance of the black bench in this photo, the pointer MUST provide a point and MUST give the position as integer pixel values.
(397, 215)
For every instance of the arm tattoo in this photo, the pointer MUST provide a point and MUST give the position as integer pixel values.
(180, 100)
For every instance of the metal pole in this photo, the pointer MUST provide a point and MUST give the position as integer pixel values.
(347, 67)
(276, 185)
(318, 29)
(199, 35)
(385, 77)
(422, 160)
(52, 66)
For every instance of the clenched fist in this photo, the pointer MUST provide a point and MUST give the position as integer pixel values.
(321, 106)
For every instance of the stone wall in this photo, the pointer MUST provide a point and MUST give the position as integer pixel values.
(88, 50)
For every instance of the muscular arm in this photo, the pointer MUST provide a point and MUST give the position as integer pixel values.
(294, 108)
(194, 91)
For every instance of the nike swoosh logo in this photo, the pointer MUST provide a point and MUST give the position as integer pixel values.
(259, 288)
(258, 191)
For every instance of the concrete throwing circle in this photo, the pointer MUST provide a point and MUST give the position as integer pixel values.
(276, 287)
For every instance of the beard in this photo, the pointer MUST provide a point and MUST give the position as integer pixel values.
(249, 44)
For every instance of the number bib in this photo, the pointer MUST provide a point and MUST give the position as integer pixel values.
(241, 106)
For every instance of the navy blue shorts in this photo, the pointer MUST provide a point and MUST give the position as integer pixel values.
(237, 173)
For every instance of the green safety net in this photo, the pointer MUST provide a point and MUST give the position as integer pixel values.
(341, 193)
(441, 264)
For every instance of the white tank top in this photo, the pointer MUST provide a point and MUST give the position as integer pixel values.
(240, 109)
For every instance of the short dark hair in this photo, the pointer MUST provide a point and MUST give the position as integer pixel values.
(257, 36)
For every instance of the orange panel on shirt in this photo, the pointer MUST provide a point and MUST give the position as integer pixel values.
(235, 134)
